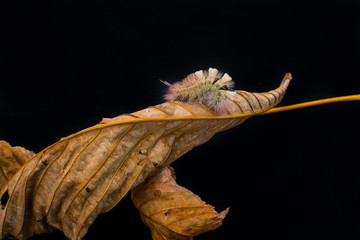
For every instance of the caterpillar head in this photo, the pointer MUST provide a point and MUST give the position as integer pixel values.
(205, 87)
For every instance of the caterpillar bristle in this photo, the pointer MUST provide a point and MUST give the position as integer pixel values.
(222, 106)
(212, 73)
(166, 83)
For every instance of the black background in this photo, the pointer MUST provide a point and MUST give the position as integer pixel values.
(296, 175)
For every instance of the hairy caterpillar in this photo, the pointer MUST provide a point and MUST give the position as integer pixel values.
(206, 87)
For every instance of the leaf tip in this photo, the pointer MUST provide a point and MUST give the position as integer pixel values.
(223, 214)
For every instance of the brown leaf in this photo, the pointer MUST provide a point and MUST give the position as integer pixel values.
(11, 160)
(68, 184)
(172, 211)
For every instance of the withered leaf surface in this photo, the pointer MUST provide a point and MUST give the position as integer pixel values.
(172, 212)
(11, 160)
(68, 184)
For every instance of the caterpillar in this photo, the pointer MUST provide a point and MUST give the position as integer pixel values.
(206, 87)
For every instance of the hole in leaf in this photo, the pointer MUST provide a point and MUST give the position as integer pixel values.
(4, 199)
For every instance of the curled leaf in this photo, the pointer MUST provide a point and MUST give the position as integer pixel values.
(68, 184)
(172, 211)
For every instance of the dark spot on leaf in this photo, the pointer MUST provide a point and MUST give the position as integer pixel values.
(88, 189)
(157, 193)
(143, 152)
(45, 162)
(155, 164)
(10, 238)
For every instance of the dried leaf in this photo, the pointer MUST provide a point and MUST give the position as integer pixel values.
(11, 160)
(67, 185)
(171, 211)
